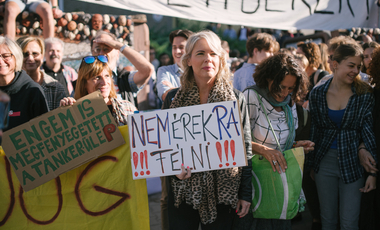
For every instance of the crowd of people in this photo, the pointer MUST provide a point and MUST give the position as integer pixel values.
(322, 97)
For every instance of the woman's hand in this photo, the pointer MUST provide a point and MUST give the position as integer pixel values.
(307, 145)
(57, 13)
(67, 101)
(242, 208)
(276, 159)
(370, 184)
(108, 41)
(367, 161)
(185, 174)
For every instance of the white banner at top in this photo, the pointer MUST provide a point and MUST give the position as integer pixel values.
(276, 14)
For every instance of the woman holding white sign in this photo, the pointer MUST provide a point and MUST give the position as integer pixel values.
(280, 82)
(212, 198)
(94, 74)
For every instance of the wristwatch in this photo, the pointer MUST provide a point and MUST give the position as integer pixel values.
(123, 47)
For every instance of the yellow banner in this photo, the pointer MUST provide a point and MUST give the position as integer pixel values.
(100, 194)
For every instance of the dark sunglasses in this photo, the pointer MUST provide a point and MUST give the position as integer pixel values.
(91, 59)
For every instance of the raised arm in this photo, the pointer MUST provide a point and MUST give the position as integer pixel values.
(57, 13)
(142, 65)
(145, 69)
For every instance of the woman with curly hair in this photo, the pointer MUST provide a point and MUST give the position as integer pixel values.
(368, 49)
(280, 81)
(341, 118)
(212, 198)
(313, 55)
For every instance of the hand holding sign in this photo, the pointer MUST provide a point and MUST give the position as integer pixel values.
(185, 173)
(66, 101)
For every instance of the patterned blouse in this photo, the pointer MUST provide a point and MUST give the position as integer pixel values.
(260, 129)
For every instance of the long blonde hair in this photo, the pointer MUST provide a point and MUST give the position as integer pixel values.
(324, 57)
(224, 74)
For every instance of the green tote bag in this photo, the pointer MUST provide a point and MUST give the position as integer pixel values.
(277, 196)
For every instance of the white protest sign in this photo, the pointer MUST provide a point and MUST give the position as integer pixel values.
(276, 14)
(203, 137)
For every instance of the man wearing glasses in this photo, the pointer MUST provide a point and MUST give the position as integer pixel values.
(127, 83)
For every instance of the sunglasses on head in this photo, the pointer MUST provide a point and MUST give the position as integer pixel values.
(91, 59)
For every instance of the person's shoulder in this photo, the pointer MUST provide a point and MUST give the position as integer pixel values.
(324, 73)
(122, 72)
(48, 79)
(319, 89)
(68, 68)
(250, 95)
(246, 69)
(238, 72)
(25, 81)
(166, 68)
(127, 106)
(172, 93)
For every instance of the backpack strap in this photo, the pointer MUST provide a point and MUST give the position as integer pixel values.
(316, 75)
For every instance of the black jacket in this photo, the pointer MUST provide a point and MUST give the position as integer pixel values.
(27, 99)
(245, 190)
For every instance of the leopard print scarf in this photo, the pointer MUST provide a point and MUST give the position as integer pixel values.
(204, 190)
(118, 112)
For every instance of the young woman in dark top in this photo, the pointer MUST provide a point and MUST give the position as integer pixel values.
(341, 112)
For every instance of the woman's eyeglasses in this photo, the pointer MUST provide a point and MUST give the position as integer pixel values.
(91, 59)
(34, 54)
(6, 56)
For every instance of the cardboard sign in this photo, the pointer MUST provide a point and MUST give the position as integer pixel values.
(100, 194)
(61, 140)
(203, 137)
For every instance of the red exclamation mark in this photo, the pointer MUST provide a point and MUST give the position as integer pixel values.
(142, 162)
(219, 150)
(226, 151)
(233, 151)
(146, 162)
(135, 162)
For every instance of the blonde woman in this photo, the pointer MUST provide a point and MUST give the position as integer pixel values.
(213, 198)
